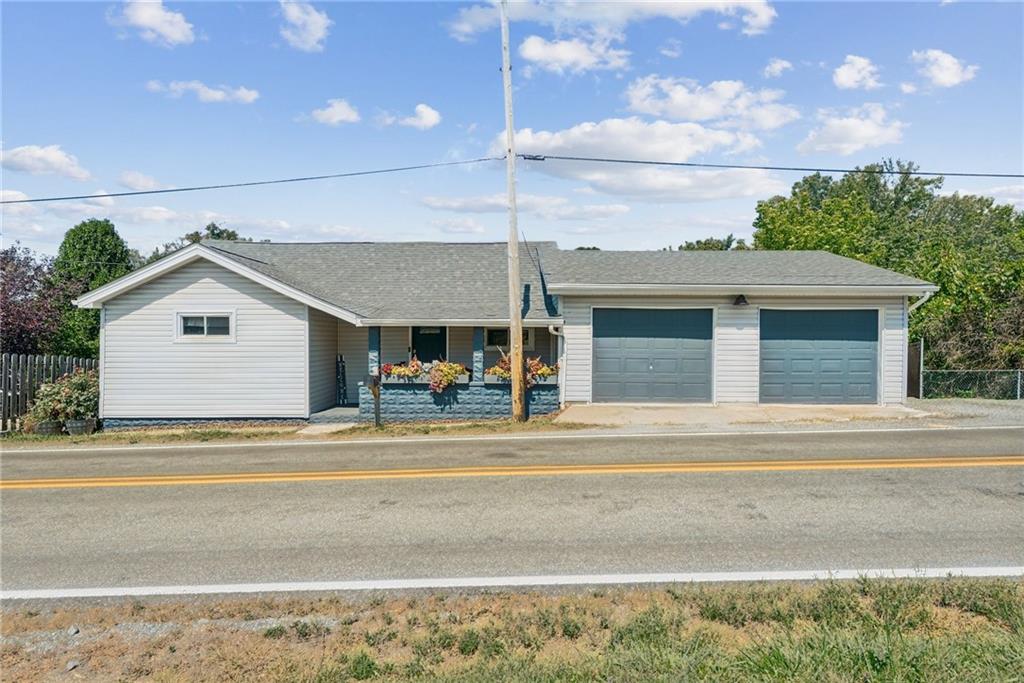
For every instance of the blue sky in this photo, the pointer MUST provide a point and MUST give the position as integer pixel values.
(105, 97)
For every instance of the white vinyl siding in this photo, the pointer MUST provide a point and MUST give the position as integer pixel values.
(323, 346)
(354, 347)
(737, 339)
(147, 372)
(737, 349)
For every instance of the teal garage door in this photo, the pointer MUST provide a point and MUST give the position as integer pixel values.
(816, 356)
(652, 355)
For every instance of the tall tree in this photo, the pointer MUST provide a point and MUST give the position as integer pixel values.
(29, 302)
(91, 255)
(716, 244)
(970, 246)
(212, 231)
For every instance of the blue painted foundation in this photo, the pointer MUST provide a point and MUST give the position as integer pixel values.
(415, 402)
(116, 423)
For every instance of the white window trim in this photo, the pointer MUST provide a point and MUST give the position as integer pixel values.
(528, 342)
(180, 338)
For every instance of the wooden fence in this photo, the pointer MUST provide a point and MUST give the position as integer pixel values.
(21, 375)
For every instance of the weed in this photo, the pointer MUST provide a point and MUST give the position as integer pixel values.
(469, 642)
(305, 630)
(362, 666)
(275, 632)
(648, 628)
(571, 628)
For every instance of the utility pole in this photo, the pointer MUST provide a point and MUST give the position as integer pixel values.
(515, 317)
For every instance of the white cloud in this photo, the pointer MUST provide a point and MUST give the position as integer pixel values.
(671, 48)
(756, 15)
(634, 138)
(1007, 194)
(729, 102)
(545, 206)
(205, 93)
(908, 88)
(460, 225)
(862, 127)
(426, 117)
(154, 22)
(16, 209)
(776, 67)
(38, 160)
(856, 73)
(336, 112)
(135, 180)
(305, 27)
(942, 69)
(574, 55)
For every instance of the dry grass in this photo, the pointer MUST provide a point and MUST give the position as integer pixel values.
(286, 431)
(951, 630)
(536, 424)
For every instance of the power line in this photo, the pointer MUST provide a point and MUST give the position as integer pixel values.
(801, 169)
(525, 157)
(280, 181)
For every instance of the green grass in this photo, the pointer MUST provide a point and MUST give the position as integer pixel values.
(890, 631)
(871, 630)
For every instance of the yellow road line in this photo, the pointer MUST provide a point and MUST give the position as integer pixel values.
(518, 471)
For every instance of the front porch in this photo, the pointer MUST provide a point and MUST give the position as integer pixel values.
(361, 351)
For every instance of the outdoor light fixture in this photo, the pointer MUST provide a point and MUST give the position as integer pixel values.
(740, 301)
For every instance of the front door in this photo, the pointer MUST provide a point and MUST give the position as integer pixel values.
(430, 343)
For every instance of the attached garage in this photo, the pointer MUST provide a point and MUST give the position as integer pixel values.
(652, 355)
(819, 356)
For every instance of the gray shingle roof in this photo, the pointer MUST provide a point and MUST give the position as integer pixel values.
(467, 281)
(717, 268)
(402, 280)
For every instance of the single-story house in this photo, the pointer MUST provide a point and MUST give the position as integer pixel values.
(259, 330)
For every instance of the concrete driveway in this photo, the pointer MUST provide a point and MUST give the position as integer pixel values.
(730, 415)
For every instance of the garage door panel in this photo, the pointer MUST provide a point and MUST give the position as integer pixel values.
(661, 355)
(819, 356)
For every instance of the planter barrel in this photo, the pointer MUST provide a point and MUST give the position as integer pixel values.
(49, 428)
(80, 427)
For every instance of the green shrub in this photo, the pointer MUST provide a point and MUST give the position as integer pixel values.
(72, 397)
(275, 632)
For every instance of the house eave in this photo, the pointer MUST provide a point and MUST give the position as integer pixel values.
(575, 289)
(456, 322)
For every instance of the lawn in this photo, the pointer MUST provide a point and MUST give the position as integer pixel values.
(867, 630)
(229, 432)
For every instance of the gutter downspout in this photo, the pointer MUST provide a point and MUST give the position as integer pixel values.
(917, 304)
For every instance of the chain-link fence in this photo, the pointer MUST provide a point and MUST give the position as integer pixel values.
(1001, 384)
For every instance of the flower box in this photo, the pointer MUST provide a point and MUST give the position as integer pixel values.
(418, 379)
(497, 379)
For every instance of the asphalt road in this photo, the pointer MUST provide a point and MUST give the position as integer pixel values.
(575, 523)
